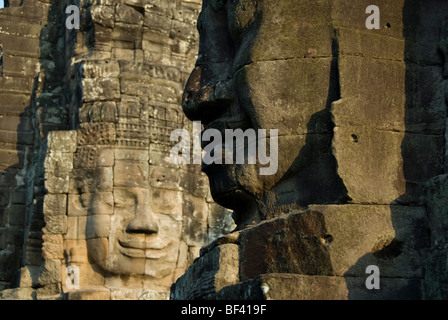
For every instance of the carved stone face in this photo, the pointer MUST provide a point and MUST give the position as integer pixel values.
(138, 241)
(268, 65)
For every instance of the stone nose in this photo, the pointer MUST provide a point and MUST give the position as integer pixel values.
(144, 221)
(206, 96)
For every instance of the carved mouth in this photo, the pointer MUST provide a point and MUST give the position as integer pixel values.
(150, 248)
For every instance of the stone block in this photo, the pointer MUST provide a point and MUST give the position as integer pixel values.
(99, 248)
(370, 163)
(120, 54)
(11, 158)
(124, 32)
(337, 240)
(3, 237)
(425, 99)
(94, 157)
(81, 180)
(50, 292)
(78, 204)
(4, 197)
(12, 101)
(354, 17)
(195, 215)
(163, 269)
(14, 137)
(90, 203)
(101, 203)
(220, 221)
(166, 202)
(363, 42)
(159, 155)
(87, 274)
(363, 77)
(309, 93)
(304, 29)
(100, 68)
(104, 15)
(62, 141)
(131, 154)
(158, 22)
(55, 204)
(51, 273)
(125, 293)
(89, 294)
(55, 224)
(101, 89)
(20, 66)
(103, 179)
(21, 46)
(148, 294)
(437, 207)
(209, 274)
(16, 215)
(423, 157)
(18, 294)
(195, 183)
(183, 256)
(18, 196)
(378, 112)
(299, 287)
(128, 14)
(164, 178)
(436, 278)
(29, 276)
(59, 161)
(76, 228)
(75, 252)
(98, 226)
(219, 217)
(57, 182)
(131, 174)
(96, 134)
(53, 247)
(34, 256)
(423, 38)
(157, 89)
(319, 253)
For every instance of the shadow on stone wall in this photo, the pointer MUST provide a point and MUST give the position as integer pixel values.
(400, 255)
(15, 177)
(55, 98)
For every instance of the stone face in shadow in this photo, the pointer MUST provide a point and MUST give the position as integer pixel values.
(249, 77)
(354, 148)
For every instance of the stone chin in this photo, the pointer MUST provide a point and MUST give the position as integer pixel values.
(241, 189)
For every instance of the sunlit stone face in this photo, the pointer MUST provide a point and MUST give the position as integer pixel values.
(137, 241)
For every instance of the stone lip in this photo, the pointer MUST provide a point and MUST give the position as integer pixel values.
(152, 248)
(155, 243)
